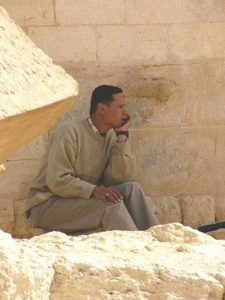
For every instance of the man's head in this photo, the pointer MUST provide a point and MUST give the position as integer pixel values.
(107, 102)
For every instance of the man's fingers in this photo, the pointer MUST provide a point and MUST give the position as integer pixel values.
(117, 193)
(113, 197)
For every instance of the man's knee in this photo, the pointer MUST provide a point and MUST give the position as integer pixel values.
(117, 217)
(117, 206)
(128, 187)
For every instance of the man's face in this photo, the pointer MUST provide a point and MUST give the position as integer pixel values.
(115, 112)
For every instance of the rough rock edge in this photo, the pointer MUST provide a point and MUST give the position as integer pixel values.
(159, 263)
(53, 90)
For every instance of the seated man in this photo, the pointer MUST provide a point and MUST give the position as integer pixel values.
(86, 177)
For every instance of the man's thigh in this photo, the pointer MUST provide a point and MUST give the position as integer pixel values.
(68, 215)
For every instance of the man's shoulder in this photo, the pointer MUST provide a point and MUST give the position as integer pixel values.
(69, 127)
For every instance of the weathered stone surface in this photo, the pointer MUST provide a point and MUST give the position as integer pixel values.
(197, 210)
(89, 12)
(174, 11)
(13, 190)
(175, 161)
(167, 209)
(7, 215)
(31, 89)
(214, 86)
(160, 96)
(218, 234)
(166, 262)
(67, 44)
(30, 12)
(220, 208)
(196, 41)
(136, 44)
(17, 178)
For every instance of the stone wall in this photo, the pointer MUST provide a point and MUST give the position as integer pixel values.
(169, 58)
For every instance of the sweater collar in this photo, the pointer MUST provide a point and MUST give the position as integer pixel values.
(94, 128)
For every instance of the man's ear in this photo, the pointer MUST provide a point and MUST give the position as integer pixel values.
(101, 108)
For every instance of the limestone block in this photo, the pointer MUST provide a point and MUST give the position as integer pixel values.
(174, 11)
(219, 165)
(132, 44)
(173, 161)
(197, 210)
(6, 213)
(165, 262)
(33, 91)
(213, 40)
(15, 182)
(167, 209)
(214, 89)
(30, 12)
(185, 41)
(69, 12)
(33, 151)
(218, 234)
(165, 96)
(196, 41)
(66, 44)
(220, 208)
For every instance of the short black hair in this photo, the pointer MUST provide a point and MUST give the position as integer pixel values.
(103, 94)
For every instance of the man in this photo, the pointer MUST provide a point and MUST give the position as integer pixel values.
(86, 177)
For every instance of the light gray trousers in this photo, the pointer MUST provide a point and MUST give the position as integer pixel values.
(75, 214)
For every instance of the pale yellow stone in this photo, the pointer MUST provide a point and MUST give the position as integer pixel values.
(33, 91)
(70, 12)
(66, 44)
(30, 12)
(7, 216)
(173, 161)
(161, 96)
(218, 234)
(165, 262)
(220, 208)
(213, 40)
(214, 87)
(197, 210)
(197, 41)
(167, 209)
(126, 44)
(174, 11)
(185, 42)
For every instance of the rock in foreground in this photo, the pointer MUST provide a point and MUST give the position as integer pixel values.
(165, 262)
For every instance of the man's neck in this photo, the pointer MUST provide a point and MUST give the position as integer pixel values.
(99, 124)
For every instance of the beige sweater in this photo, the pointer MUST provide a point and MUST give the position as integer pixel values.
(78, 159)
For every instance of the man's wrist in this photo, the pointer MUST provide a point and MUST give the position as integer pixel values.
(123, 133)
(121, 138)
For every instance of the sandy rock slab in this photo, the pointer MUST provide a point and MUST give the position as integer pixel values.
(34, 92)
(165, 262)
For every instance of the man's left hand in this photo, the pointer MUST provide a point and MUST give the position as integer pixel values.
(126, 123)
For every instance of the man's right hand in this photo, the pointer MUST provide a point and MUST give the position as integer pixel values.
(108, 194)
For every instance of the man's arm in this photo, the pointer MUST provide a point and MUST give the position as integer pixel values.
(121, 165)
(60, 177)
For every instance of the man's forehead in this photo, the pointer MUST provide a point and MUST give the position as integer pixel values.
(119, 98)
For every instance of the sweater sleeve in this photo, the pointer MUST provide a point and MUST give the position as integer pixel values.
(121, 166)
(60, 177)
